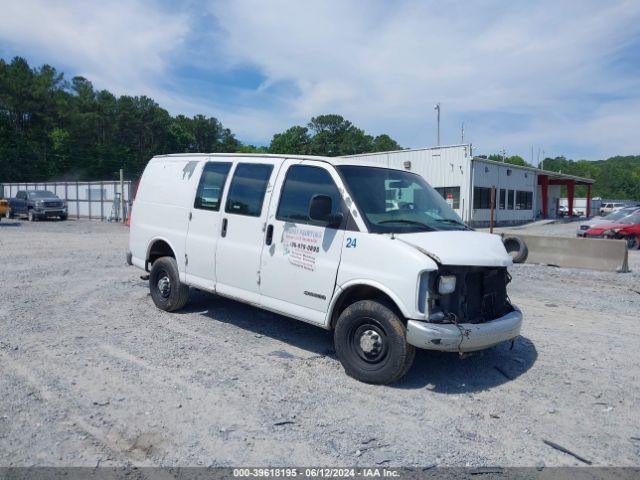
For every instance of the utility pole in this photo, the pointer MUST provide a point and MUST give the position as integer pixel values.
(532, 155)
(122, 196)
(437, 108)
(462, 140)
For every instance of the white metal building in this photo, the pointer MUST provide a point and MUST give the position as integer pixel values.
(522, 193)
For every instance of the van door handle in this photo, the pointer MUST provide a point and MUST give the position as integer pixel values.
(223, 233)
(269, 237)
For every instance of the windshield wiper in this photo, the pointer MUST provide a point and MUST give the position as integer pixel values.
(453, 222)
(408, 222)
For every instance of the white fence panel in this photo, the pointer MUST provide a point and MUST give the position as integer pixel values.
(92, 200)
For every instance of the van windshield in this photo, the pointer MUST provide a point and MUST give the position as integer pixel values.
(398, 201)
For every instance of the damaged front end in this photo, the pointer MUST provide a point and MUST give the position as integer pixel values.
(466, 308)
(480, 295)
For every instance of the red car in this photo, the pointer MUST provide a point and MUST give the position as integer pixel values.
(627, 228)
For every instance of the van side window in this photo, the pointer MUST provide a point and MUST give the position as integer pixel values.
(300, 185)
(211, 184)
(248, 187)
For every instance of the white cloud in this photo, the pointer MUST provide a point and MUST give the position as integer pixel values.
(123, 45)
(383, 65)
(517, 73)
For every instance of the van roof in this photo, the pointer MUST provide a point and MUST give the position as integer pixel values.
(275, 156)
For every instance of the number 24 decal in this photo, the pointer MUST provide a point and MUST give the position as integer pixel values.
(351, 242)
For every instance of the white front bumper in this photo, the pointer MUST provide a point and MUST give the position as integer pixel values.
(464, 337)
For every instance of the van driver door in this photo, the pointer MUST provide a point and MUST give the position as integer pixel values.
(300, 256)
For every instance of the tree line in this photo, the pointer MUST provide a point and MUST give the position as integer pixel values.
(55, 129)
(615, 178)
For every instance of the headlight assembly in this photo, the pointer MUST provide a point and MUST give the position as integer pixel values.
(446, 284)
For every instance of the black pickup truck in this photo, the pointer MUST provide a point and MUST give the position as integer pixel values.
(37, 204)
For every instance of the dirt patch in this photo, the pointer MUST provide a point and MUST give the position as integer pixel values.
(92, 373)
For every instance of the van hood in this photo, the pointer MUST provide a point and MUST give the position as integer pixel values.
(464, 248)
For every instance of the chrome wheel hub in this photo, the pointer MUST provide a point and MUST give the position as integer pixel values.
(370, 342)
(164, 286)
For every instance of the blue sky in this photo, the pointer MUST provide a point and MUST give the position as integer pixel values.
(563, 77)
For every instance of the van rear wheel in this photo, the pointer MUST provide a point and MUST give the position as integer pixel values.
(370, 341)
(167, 292)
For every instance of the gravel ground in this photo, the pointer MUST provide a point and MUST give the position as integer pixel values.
(91, 373)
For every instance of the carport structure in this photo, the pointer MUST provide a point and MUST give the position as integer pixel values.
(546, 178)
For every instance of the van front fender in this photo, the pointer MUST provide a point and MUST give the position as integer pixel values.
(340, 290)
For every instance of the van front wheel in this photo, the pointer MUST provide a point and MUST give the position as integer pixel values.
(167, 292)
(371, 344)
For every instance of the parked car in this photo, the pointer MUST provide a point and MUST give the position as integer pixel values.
(37, 204)
(611, 218)
(627, 228)
(607, 208)
(4, 207)
(319, 240)
(563, 211)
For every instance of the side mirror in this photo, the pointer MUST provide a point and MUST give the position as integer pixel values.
(320, 211)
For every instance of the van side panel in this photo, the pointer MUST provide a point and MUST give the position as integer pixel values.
(161, 208)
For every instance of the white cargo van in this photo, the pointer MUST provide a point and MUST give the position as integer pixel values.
(374, 254)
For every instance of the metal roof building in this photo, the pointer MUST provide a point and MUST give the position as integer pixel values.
(522, 194)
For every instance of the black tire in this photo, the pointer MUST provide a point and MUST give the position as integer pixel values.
(63, 217)
(516, 247)
(386, 356)
(632, 242)
(168, 297)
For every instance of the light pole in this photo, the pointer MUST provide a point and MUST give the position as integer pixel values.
(437, 108)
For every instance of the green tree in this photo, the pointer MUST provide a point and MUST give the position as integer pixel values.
(329, 135)
(51, 128)
(384, 143)
(295, 141)
(513, 159)
(334, 136)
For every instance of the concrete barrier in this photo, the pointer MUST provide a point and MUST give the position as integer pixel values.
(593, 253)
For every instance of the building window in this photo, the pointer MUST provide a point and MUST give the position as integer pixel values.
(451, 195)
(510, 200)
(210, 187)
(481, 198)
(503, 198)
(248, 187)
(301, 185)
(524, 200)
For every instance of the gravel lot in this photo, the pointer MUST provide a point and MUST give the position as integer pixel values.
(92, 373)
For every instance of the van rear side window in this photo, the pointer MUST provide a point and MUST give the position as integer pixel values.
(211, 184)
(248, 187)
